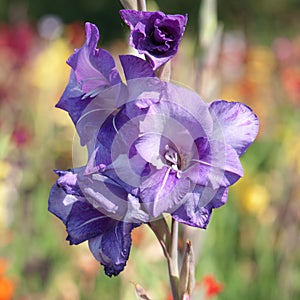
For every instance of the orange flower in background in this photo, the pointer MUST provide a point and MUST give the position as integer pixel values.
(169, 297)
(75, 34)
(6, 285)
(138, 236)
(6, 289)
(212, 287)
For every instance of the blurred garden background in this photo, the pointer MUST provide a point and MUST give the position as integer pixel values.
(250, 53)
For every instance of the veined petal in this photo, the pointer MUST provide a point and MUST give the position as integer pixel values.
(94, 68)
(135, 67)
(85, 222)
(97, 113)
(226, 167)
(92, 71)
(112, 247)
(143, 92)
(216, 163)
(64, 193)
(179, 122)
(71, 99)
(233, 168)
(150, 148)
(196, 211)
(163, 192)
(235, 123)
(133, 17)
(200, 163)
(109, 239)
(68, 182)
(112, 199)
(60, 203)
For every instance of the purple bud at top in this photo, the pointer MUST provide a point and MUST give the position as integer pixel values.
(155, 34)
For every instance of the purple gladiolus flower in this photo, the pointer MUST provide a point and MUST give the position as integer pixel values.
(179, 155)
(153, 147)
(155, 34)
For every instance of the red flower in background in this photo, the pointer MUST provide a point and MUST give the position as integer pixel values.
(21, 136)
(290, 78)
(287, 53)
(76, 34)
(212, 287)
(18, 40)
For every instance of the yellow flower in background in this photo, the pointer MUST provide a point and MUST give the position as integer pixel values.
(254, 197)
(291, 148)
(49, 76)
(261, 64)
(5, 167)
(48, 73)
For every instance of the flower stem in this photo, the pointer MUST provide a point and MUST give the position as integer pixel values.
(169, 243)
(162, 232)
(173, 260)
(141, 5)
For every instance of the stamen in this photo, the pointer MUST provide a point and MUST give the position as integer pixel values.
(203, 162)
(173, 158)
(171, 155)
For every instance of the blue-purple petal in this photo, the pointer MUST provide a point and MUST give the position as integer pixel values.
(197, 210)
(94, 68)
(64, 193)
(56, 204)
(109, 238)
(163, 192)
(112, 247)
(71, 99)
(218, 164)
(235, 123)
(135, 67)
(68, 182)
(92, 71)
(85, 222)
(155, 34)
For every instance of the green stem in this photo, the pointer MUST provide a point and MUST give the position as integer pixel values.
(173, 260)
(162, 232)
(169, 243)
(141, 5)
